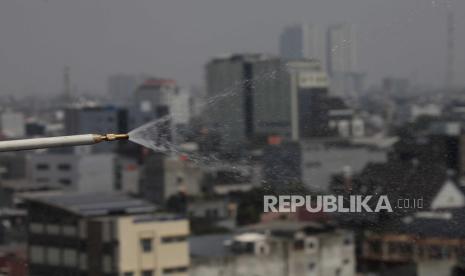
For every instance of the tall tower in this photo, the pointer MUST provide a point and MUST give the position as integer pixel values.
(250, 103)
(450, 49)
(302, 41)
(342, 60)
(341, 49)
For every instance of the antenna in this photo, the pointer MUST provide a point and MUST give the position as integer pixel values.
(450, 49)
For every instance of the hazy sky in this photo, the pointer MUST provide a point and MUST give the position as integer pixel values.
(175, 38)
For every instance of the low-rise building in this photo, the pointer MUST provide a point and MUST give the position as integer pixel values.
(103, 234)
(276, 248)
(83, 173)
(427, 243)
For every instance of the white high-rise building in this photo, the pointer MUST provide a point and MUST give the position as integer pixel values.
(302, 41)
(341, 49)
(341, 59)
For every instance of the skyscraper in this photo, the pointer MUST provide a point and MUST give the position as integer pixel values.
(309, 97)
(341, 58)
(341, 49)
(258, 96)
(250, 97)
(302, 41)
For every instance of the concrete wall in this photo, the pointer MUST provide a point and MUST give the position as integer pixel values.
(80, 173)
(163, 255)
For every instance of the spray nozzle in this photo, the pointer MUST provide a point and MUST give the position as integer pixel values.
(111, 137)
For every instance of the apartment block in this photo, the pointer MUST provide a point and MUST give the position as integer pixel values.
(104, 234)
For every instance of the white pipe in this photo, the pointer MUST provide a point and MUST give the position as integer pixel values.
(50, 142)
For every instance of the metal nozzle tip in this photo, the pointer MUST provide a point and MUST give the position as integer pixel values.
(113, 137)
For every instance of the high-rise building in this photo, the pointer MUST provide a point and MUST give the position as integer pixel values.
(250, 97)
(341, 49)
(341, 58)
(302, 41)
(104, 234)
(258, 96)
(308, 105)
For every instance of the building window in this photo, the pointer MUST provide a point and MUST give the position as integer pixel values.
(171, 270)
(83, 261)
(348, 241)
(42, 167)
(146, 244)
(37, 254)
(298, 245)
(128, 274)
(107, 264)
(36, 228)
(70, 258)
(311, 266)
(147, 273)
(64, 167)
(82, 229)
(173, 239)
(108, 231)
(65, 181)
(53, 229)
(53, 256)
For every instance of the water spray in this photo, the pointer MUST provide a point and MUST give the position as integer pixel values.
(60, 141)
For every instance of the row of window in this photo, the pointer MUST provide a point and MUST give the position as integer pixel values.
(146, 244)
(62, 181)
(53, 229)
(301, 244)
(64, 257)
(412, 250)
(60, 167)
(170, 270)
(55, 256)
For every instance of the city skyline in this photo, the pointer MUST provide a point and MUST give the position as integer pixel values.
(400, 38)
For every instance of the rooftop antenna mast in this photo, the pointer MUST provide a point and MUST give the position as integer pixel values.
(450, 48)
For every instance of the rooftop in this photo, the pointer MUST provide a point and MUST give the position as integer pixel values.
(209, 246)
(289, 227)
(440, 224)
(96, 204)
